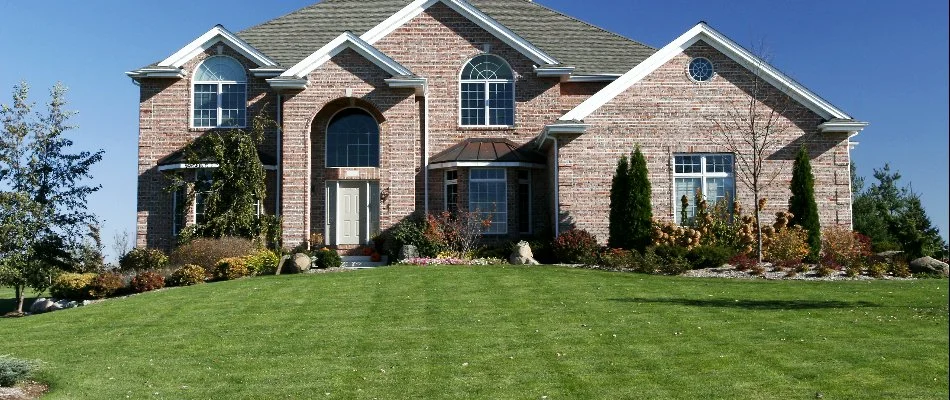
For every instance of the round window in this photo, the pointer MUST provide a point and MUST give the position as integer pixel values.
(701, 69)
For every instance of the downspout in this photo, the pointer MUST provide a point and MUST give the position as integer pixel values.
(280, 166)
(425, 148)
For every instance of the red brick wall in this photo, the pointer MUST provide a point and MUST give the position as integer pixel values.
(668, 113)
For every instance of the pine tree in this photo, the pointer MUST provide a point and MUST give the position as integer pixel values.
(620, 206)
(640, 216)
(802, 204)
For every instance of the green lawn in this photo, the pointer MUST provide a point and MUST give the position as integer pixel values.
(498, 333)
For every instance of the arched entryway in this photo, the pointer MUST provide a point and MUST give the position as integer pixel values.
(345, 143)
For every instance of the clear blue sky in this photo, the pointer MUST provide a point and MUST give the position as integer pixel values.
(880, 61)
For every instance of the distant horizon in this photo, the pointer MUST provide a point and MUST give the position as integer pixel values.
(854, 54)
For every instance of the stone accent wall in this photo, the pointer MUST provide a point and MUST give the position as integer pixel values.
(669, 113)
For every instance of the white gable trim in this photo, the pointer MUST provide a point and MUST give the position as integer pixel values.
(209, 39)
(344, 41)
(721, 43)
(467, 10)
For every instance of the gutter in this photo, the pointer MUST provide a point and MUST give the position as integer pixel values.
(280, 131)
(425, 149)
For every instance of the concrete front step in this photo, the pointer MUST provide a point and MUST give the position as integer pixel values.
(358, 262)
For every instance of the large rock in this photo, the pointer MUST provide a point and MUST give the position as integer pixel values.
(929, 265)
(41, 305)
(300, 262)
(408, 251)
(522, 255)
(284, 262)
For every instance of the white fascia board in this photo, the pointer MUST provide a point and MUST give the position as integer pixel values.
(721, 43)
(267, 72)
(485, 164)
(175, 73)
(338, 44)
(563, 72)
(419, 84)
(593, 78)
(171, 167)
(852, 127)
(287, 83)
(576, 128)
(209, 39)
(467, 10)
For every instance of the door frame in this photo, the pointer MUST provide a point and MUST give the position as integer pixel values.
(332, 214)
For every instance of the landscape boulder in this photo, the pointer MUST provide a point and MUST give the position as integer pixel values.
(284, 262)
(41, 305)
(408, 251)
(300, 263)
(522, 255)
(929, 265)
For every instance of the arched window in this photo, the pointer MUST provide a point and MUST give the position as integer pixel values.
(353, 139)
(487, 92)
(220, 90)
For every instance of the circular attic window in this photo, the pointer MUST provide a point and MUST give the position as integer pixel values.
(701, 69)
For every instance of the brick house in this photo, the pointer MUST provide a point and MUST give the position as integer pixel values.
(389, 107)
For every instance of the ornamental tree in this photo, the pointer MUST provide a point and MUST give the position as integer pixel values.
(641, 209)
(620, 206)
(802, 204)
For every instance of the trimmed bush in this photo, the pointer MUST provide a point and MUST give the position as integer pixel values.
(413, 231)
(326, 258)
(71, 286)
(787, 247)
(230, 268)
(576, 246)
(147, 281)
(142, 260)
(14, 370)
(802, 204)
(263, 263)
(669, 252)
(708, 256)
(617, 259)
(206, 252)
(106, 284)
(186, 276)
(841, 246)
(742, 262)
(878, 270)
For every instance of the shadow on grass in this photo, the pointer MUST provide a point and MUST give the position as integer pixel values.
(8, 304)
(753, 304)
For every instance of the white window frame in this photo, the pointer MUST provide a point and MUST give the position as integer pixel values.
(487, 85)
(530, 197)
(379, 142)
(445, 189)
(220, 93)
(702, 175)
(192, 212)
(504, 182)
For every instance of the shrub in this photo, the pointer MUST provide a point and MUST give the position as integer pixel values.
(802, 203)
(147, 281)
(787, 246)
(71, 286)
(617, 259)
(708, 256)
(264, 262)
(106, 284)
(668, 252)
(206, 252)
(412, 231)
(576, 246)
(843, 247)
(140, 259)
(757, 269)
(900, 268)
(742, 262)
(14, 370)
(878, 270)
(674, 265)
(824, 270)
(187, 275)
(230, 268)
(670, 234)
(326, 258)
(457, 231)
(543, 251)
(648, 262)
(854, 269)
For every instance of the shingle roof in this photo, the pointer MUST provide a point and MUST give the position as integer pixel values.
(489, 150)
(292, 37)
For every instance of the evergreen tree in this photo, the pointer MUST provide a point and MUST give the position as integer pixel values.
(641, 210)
(620, 206)
(802, 204)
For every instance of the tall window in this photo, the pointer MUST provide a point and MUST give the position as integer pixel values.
(488, 195)
(524, 201)
(487, 92)
(451, 191)
(202, 185)
(353, 139)
(708, 174)
(220, 90)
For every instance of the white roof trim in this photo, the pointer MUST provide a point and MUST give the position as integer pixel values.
(420, 85)
(287, 83)
(560, 71)
(721, 43)
(485, 164)
(475, 15)
(843, 126)
(344, 41)
(167, 72)
(170, 167)
(565, 128)
(210, 38)
(593, 78)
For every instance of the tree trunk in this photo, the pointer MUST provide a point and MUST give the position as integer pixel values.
(758, 227)
(19, 298)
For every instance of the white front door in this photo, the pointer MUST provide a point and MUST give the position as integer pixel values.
(348, 212)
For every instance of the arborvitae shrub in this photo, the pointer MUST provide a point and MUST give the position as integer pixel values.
(802, 204)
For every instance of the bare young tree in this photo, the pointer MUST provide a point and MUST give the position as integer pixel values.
(753, 129)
